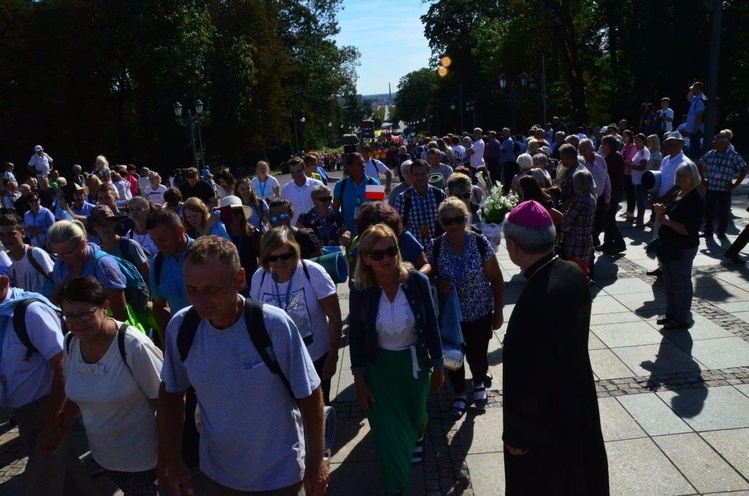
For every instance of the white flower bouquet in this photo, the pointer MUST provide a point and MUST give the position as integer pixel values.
(493, 210)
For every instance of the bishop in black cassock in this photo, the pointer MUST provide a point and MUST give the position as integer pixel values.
(552, 428)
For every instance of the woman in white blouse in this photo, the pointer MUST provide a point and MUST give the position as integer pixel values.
(111, 378)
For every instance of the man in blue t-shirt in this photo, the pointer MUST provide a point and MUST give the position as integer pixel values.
(257, 434)
(350, 193)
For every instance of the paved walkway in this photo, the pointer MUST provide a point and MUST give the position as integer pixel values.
(674, 405)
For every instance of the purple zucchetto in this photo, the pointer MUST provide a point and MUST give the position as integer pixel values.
(530, 214)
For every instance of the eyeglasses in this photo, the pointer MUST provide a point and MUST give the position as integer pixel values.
(276, 218)
(236, 212)
(378, 255)
(324, 199)
(285, 256)
(465, 196)
(82, 317)
(69, 252)
(459, 219)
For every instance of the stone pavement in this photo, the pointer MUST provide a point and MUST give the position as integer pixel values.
(674, 405)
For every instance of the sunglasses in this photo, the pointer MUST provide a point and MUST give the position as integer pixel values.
(446, 221)
(236, 212)
(285, 256)
(324, 199)
(276, 218)
(378, 255)
(465, 196)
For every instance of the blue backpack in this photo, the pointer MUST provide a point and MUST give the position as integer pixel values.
(136, 290)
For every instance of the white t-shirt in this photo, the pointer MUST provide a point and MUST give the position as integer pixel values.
(120, 423)
(641, 155)
(373, 168)
(123, 190)
(41, 164)
(155, 195)
(264, 190)
(668, 126)
(395, 322)
(29, 381)
(24, 275)
(300, 196)
(142, 183)
(144, 240)
(303, 304)
(477, 158)
(253, 435)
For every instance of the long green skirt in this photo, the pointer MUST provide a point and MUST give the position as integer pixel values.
(398, 413)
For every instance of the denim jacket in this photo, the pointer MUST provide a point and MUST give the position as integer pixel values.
(364, 305)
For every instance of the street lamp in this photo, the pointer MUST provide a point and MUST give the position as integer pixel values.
(455, 103)
(471, 107)
(513, 94)
(192, 123)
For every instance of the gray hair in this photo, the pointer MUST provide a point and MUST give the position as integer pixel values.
(585, 142)
(687, 168)
(531, 240)
(406, 167)
(319, 190)
(525, 161)
(582, 179)
(573, 140)
(542, 158)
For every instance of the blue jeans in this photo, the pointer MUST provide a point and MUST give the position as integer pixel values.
(677, 284)
(641, 197)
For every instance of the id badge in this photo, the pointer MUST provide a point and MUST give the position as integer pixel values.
(356, 212)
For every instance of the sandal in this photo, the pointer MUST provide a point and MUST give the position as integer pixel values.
(458, 407)
(675, 325)
(418, 455)
(482, 400)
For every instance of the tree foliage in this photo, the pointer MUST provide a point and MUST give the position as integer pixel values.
(84, 77)
(604, 58)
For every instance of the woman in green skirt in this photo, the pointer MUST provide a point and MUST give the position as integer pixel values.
(394, 342)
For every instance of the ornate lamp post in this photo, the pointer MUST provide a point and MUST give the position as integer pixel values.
(192, 123)
(513, 94)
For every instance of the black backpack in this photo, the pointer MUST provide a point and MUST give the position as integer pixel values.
(120, 343)
(19, 325)
(253, 314)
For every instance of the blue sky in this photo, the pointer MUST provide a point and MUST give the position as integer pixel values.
(390, 38)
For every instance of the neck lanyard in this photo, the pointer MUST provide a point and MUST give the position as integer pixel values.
(262, 184)
(288, 294)
(356, 189)
(456, 262)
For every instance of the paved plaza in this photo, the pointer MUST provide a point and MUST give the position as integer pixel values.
(674, 405)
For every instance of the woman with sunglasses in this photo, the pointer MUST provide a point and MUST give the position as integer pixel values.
(245, 237)
(258, 217)
(113, 382)
(305, 291)
(394, 342)
(466, 261)
(326, 222)
(198, 220)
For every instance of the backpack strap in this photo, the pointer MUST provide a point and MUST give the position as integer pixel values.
(306, 270)
(157, 263)
(68, 341)
(34, 263)
(186, 333)
(19, 325)
(481, 244)
(253, 314)
(121, 344)
(344, 181)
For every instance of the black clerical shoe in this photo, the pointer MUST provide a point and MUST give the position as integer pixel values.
(734, 258)
(657, 272)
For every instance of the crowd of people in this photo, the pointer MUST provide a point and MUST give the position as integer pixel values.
(191, 324)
